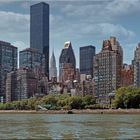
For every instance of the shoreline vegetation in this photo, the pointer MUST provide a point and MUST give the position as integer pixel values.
(125, 100)
(75, 111)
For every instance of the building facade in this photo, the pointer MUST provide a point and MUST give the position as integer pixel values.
(23, 84)
(26, 84)
(136, 66)
(127, 75)
(87, 87)
(8, 63)
(87, 54)
(67, 72)
(67, 63)
(53, 68)
(11, 87)
(39, 30)
(32, 59)
(107, 71)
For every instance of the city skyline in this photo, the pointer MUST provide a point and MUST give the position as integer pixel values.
(69, 21)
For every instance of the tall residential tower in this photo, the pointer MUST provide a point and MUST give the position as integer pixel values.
(39, 30)
(107, 69)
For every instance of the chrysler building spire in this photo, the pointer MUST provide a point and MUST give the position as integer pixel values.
(53, 68)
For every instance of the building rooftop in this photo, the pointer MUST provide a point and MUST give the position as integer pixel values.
(67, 44)
(30, 50)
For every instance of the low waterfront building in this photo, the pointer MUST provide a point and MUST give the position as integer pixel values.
(87, 86)
(26, 84)
(127, 75)
(23, 84)
(11, 87)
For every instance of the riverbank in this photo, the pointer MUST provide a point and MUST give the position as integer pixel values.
(75, 111)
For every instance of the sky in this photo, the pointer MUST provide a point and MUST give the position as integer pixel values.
(83, 22)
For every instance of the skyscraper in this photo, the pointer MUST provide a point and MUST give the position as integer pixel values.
(33, 59)
(39, 30)
(136, 66)
(107, 71)
(8, 63)
(67, 62)
(53, 69)
(86, 60)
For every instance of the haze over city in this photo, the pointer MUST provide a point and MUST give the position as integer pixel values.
(81, 22)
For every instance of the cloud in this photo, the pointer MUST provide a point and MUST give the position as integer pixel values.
(117, 30)
(14, 27)
(100, 11)
(123, 7)
(83, 30)
(14, 21)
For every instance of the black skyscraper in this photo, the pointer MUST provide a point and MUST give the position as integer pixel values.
(86, 60)
(39, 30)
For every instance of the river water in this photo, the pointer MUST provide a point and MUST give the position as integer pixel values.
(69, 126)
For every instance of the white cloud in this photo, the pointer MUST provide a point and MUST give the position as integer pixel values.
(11, 21)
(123, 7)
(14, 26)
(83, 30)
(100, 11)
(117, 30)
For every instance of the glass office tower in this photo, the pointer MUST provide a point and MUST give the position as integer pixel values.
(39, 30)
(86, 60)
(8, 63)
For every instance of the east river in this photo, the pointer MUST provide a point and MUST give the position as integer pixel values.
(69, 126)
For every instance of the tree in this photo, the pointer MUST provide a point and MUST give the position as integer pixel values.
(127, 97)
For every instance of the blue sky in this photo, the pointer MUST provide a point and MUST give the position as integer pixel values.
(83, 22)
